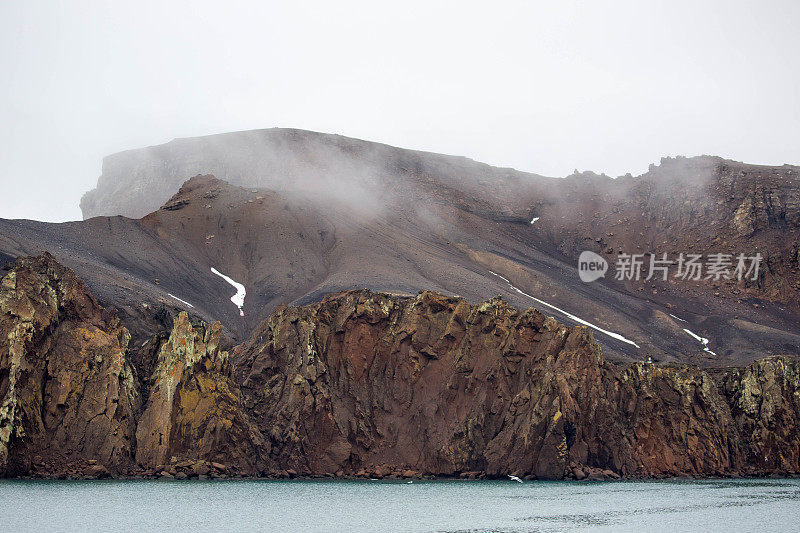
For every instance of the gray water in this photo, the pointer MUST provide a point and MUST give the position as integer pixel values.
(500, 506)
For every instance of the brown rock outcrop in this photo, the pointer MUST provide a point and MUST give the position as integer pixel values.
(765, 403)
(677, 422)
(70, 398)
(67, 390)
(194, 411)
(699, 205)
(367, 382)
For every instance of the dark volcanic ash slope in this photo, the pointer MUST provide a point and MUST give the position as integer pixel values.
(289, 249)
(691, 205)
(323, 213)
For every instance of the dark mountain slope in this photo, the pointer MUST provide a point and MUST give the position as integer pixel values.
(287, 248)
(303, 214)
(700, 205)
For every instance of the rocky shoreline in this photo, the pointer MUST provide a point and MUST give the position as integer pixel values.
(366, 385)
(203, 471)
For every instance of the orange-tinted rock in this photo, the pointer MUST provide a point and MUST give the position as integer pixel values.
(194, 410)
(67, 390)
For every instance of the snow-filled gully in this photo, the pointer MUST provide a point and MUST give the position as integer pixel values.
(703, 340)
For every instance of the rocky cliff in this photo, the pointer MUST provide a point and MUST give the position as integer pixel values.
(67, 389)
(71, 402)
(697, 205)
(194, 411)
(765, 403)
(366, 383)
(373, 383)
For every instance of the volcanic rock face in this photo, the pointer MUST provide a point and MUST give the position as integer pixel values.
(367, 383)
(676, 422)
(67, 389)
(765, 403)
(699, 205)
(70, 399)
(194, 411)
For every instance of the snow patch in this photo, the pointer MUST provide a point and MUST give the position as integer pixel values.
(241, 292)
(181, 301)
(569, 315)
(501, 277)
(701, 339)
(534, 219)
(677, 317)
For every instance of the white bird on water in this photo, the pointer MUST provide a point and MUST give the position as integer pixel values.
(515, 478)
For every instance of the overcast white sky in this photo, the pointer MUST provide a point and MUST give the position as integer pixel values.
(540, 86)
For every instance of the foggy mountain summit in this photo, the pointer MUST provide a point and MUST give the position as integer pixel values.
(367, 176)
(670, 208)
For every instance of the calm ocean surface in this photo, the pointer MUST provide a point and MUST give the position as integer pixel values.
(749, 505)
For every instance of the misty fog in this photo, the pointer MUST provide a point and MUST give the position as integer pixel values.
(544, 88)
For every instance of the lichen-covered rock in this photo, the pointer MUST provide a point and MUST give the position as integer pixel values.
(765, 402)
(375, 383)
(67, 390)
(194, 410)
(367, 383)
(677, 421)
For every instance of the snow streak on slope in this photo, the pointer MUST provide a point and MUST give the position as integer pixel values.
(181, 301)
(568, 315)
(241, 292)
(701, 339)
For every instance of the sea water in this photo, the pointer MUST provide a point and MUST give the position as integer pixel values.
(500, 506)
